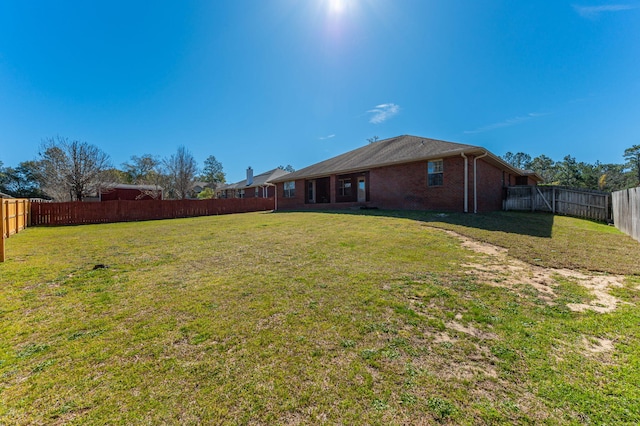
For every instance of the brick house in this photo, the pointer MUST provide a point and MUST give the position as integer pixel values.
(258, 186)
(406, 173)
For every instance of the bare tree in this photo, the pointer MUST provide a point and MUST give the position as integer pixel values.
(289, 168)
(373, 139)
(71, 170)
(181, 169)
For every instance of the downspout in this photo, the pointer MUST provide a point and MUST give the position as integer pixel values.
(466, 183)
(475, 183)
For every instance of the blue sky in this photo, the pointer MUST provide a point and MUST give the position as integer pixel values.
(264, 83)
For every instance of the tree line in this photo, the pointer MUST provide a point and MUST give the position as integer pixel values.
(577, 174)
(72, 170)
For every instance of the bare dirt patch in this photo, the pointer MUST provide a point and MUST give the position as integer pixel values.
(498, 269)
(472, 331)
(596, 345)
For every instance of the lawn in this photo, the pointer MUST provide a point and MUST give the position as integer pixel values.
(315, 318)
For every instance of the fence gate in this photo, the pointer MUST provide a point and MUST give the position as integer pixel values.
(584, 203)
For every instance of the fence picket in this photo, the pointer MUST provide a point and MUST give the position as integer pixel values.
(625, 205)
(569, 201)
(76, 213)
(14, 217)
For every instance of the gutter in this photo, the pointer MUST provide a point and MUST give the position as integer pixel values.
(475, 181)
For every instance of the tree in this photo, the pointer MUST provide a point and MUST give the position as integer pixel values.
(116, 176)
(632, 155)
(520, 160)
(212, 172)
(545, 167)
(589, 175)
(23, 181)
(181, 169)
(289, 168)
(612, 177)
(142, 170)
(569, 173)
(3, 177)
(373, 139)
(206, 194)
(146, 170)
(71, 170)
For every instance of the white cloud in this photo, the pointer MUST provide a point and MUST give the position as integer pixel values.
(383, 112)
(323, 138)
(593, 11)
(507, 123)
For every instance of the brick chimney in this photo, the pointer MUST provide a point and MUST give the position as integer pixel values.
(249, 176)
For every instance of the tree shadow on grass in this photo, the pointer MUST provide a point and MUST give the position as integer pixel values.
(523, 223)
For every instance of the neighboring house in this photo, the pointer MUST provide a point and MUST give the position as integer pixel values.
(123, 191)
(258, 186)
(198, 187)
(407, 173)
(3, 195)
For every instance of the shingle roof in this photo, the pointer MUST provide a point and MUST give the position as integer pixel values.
(258, 180)
(397, 150)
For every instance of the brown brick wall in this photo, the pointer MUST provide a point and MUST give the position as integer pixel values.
(295, 203)
(489, 187)
(404, 187)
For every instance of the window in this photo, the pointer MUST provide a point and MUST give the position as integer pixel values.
(344, 187)
(240, 193)
(290, 189)
(311, 191)
(257, 193)
(435, 171)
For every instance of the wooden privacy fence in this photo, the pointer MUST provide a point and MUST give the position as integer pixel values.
(15, 218)
(626, 211)
(78, 213)
(555, 199)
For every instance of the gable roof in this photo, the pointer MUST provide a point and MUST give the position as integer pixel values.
(397, 150)
(258, 180)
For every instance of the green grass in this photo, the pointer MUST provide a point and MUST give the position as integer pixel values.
(310, 318)
(542, 239)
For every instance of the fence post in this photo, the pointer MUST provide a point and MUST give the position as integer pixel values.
(533, 202)
(2, 212)
(17, 217)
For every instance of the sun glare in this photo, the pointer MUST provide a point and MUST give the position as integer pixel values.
(337, 6)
